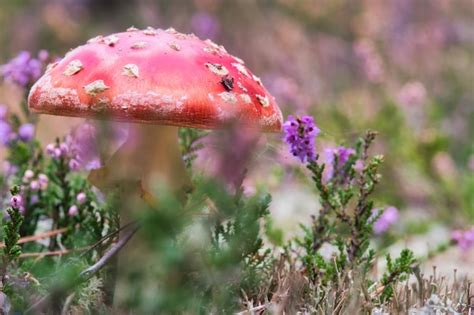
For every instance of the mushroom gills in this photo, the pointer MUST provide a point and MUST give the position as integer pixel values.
(151, 155)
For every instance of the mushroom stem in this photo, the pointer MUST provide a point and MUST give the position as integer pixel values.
(150, 155)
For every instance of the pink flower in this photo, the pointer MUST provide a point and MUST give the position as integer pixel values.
(74, 165)
(81, 198)
(73, 211)
(34, 185)
(50, 149)
(43, 181)
(16, 201)
(28, 176)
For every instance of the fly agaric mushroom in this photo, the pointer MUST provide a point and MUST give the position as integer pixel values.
(159, 79)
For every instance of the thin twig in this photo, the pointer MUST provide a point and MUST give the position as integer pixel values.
(53, 253)
(36, 237)
(92, 270)
(111, 234)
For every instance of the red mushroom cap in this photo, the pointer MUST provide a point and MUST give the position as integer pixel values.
(158, 77)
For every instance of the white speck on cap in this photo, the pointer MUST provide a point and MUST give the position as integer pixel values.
(111, 40)
(263, 100)
(138, 45)
(150, 31)
(246, 98)
(171, 30)
(95, 87)
(238, 59)
(257, 79)
(240, 85)
(96, 39)
(241, 68)
(174, 46)
(132, 29)
(228, 97)
(73, 67)
(217, 68)
(131, 70)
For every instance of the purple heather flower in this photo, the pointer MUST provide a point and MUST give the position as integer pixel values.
(16, 201)
(22, 70)
(300, 134)
(26, 132)
(386, 220)
(205, 25)
(5, 132)
(464, 239)
(342, 154)
(81, 198)
(43, 181)
(73, 211)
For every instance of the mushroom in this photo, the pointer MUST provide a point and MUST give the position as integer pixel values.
(158, 80)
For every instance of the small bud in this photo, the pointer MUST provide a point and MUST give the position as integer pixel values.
(43, 181)
(57, 153)
(81, 198)
(43, 55)
(26, 132)
(74, 165)
(29, 174)
(73, 210)
(359, 166)
(64, 148)
(50, 149)
(34, 185)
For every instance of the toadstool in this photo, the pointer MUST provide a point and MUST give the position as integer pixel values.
(159, 80)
